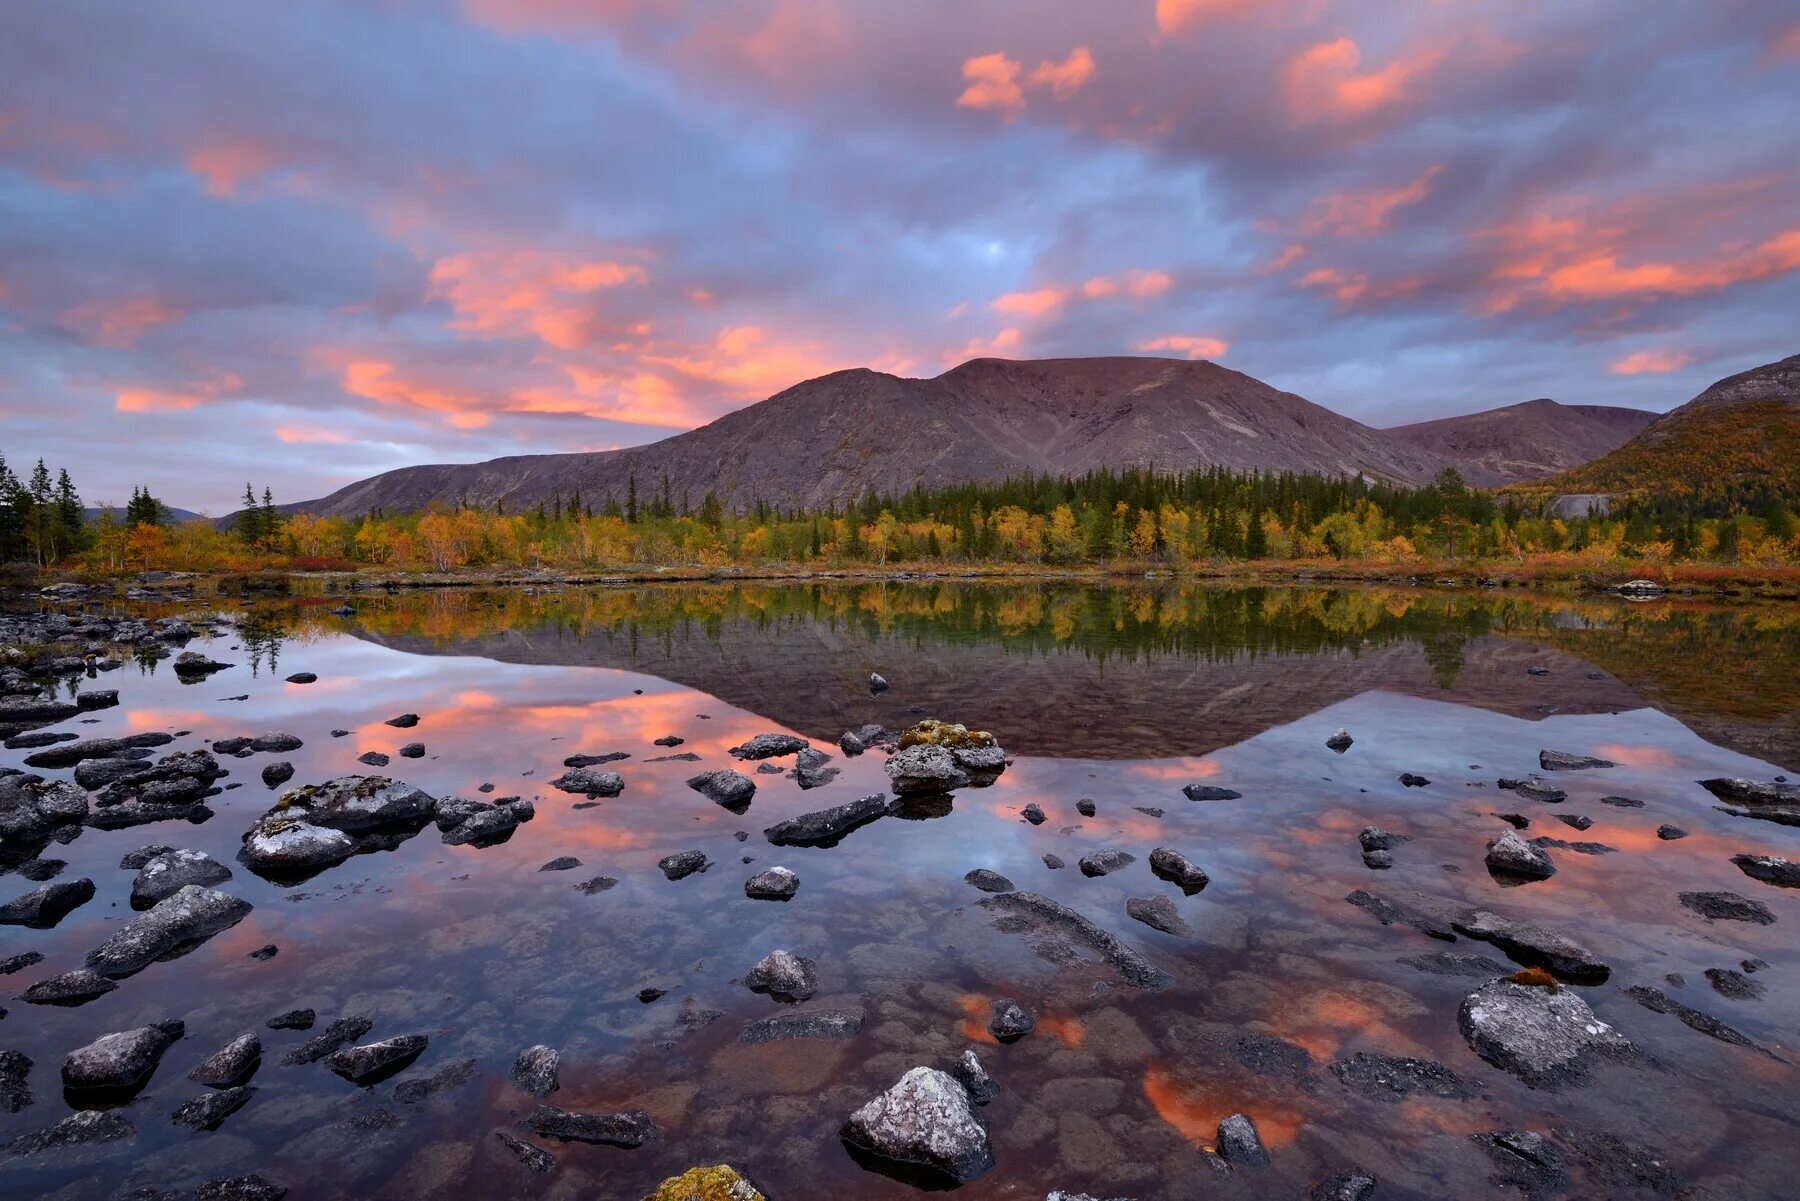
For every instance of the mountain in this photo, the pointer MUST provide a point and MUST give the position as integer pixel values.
(835, 438)
(93, 512)
(1736, 442)
(1525, 441)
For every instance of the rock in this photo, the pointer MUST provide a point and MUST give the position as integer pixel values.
(206, 1111)
(1027, 912)
(275, 742)
(416, 1089)
(1525, 1161)
(276, 774)
(1158, 912)
(772, 884)
(1340, 740)
(355, 804)
(973, 1076)
(15, 1089)
(405, 721)
(1510, 855)
(1734, 984)
(595, 760)
(1171, 865)
(1378, 860)
(1770, 869)
(232, 1064)
(632, 1128)
(784, 976)
(682, 863)
(1579, 821)
(98, 698)
(1033, 813)
(1207, 792)
(535, 1158)
(596, 886)
(84, 1128)
(769, 746)
(1621, 1168)
(1563, 761)
(68, 754)
(136, 860)
(1547, 1037)
(172, 926)
(46, 905)
(341, 1033)
(535, 1070)
(285, 847)
(1374, 838)
(988, 881)
(1239, 1144)
(561, 864)
(293, 1019)
(1534, 789)
(1053, 862)
(1621, 802)
(1393, 1078)
(122, 1062)
(303, 677)
(1658, 1001)
(1410, 780)
(1086, 807)
(412, 750)
(825, 826)
(1727, 907)
(1776, 800)
(592, 783)
(1009, 1021)
(240, 1188)
(810, 770)
(828, 1025)
(1534, 945)
(669, 740)
(373, 759)
(719, 1183)
(1443, 963)
(1102, 863)
(855, 742)
(19, 962)
(1670, 833)
(70, 988)
(925, 1120)
(1428, 915)
(1345, 1186)
(731, 789)
(193, 665)
(924, 769)
(490, 825)
(168, 873)
(373, 1062)
(876, 683)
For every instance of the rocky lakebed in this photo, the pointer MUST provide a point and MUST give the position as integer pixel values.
(865, 890)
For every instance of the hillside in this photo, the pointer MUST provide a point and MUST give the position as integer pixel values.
(1525, 441)
(1736, 442)
(832, 439)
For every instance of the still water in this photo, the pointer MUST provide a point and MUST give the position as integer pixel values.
(1118, 695)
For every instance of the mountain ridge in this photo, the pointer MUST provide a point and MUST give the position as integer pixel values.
(1528, 440)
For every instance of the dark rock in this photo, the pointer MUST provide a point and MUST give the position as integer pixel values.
(561, 864)
(373, 1062)
(69, 988)
(784, 975)
(1410, 780)
(119, 1063)
(15, 1087)
(1207, 792)
(988, 881)
(1029, 912)
(1086, 807)
(1374, 838)
(877, 683)
(84, 1128)
(595, 760)
(731, 789)
(1776, 801)
(356, 804)
(206, 1111)
(240, 1188)
(168, 873)
(683, 863)
(231, 1064)
(1053, 862)
(1547, 1037)
(1534, 789)
(97, 698)
(1534, 946)
(828, 1025)
(1033, 813)
(1621, 802)
(1577, 820)
(293, 1019)
(1009, 1021)
(1443, 963)
(810, 770)
(303, 677)
(1517, 821)
(1345, 1186)
(925, 768)
(632, 1128)
(138, 859)
(1102, 863)
(855, 742)
(193, 665)
(46, 905)
(1424, 914)
(1239, 1144)
(1658, 1001)
(405, 721)
(1735, 985)
(1525, 1161)
(1171, 865)
(669, 740)
(825, 826)
(1727, 907)
(1545, 842)
(769, 746)
(373, 759)
(1340, 740)
(454, 1074)
(341, 1033)
(535, 1158)
(174, 925)
(1393, 1078)
(19, 962)
(1563, 761)
(1510, 855)
(1158, 912)
(772, 884)
(276, 742)
(1670, 833)
(412, 750)
(535, 1070)
(589, 782)
(1378, 860)
(973, 1076)
(1148, 810)
(924, 1121)
(285, 847)
(1770, 869)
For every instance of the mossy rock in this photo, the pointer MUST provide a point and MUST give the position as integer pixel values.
(718, 1183)
(948, 735)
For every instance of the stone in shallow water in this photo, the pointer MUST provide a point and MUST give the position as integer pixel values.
(241, 1188)
(1206, 792)
(1524, 1160)
(591, 783)
(339, 1034)
(121, 1062)
(925, 769)
(1171, 865)
(293, 1019)
(1534, 946)
(1657, 1001)
(1564, 761)
(682, 864)
(1102, 863)
(231, 1064)
(1393, 1078)
(206, 1111)
(168, 873)
(988, 881)
(731, 789)
(1239, 1144)
(1728, 907)
(719, 1183)
(1345, 1186)
(925, 1120)
(561, 863)
(829, 1025)
(1158, 912)
(15, 1092)
(282, 846)
(1770, 869)
(373, 1062)
(824, 827)
(1009, 1021)
(772, 884)
(173, 925)
(69, 988)
(535, 1158)
(973, 1076)
(46, 905)
(84, 1128)
(597, 885)
(784, 975)
(1547, 1037)
(419, 1088)
(1041, 913)
(1510, 855)
(631, 1128)
(535, 1070)
(769, 746)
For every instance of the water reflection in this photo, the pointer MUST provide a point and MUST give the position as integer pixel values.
(1116, 695)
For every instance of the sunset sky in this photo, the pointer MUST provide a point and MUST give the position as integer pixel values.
(303, 242)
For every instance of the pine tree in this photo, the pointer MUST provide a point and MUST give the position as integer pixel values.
(40, 519)
(71, 520)
(13, 505)
(268, 522)
(249, 519)
(631, 501)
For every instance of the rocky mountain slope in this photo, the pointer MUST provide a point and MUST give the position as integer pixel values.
(1525, 441)
(1736, 442)
(832, 439)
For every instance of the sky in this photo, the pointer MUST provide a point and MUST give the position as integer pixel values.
(300, 243)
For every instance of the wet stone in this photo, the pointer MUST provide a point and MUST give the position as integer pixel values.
(1393, 1078)
(206, 1111)
(1658, 1001)
(176, 923)
(682, 864)
(730, 789)
(1525, 1161)
(772, 884)
(769, 746)
(590, 783)
(534, 1158)
(1770, 869)
(1510, 855)
(1053, 862)
(535, 1070)
(1547, 1037)
(293, 1019)
(15, 1090)
(1345, 1186)
(632, 1128)
(1008, 1020)
(824, 827)
(373, 1062)
(924, 1121)
(454, 1074)
(68, 988)
(988, 881)
(1734, 984)
(1033, 813)
(1445, 963)
(1564, 761)
(405, 721)
(121, 1062)
(973, 1076)
(1340, 740)
(1157, 912)
(232, 1064)
(925, 769)
(84, 1128)
(337, 1035)
(43, 907)
(373, 759)
(1411, 780)
(1102, 863)
(165, 874)
(412, 750)
(784, 976)
(1239, 1144)
(824, 1025)
(1670, 833)
(241, 1188)
(597, 885)
(562, 863)
(1727, 907)
(1209, 792)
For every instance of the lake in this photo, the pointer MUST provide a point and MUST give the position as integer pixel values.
(1273, 996)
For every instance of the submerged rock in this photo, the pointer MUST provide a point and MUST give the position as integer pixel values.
(1157, 912)
(83, 1128)
(1510, 855)
(341, 1033)
(632, 1128)
(121, 1062)
(1770, 869)
(535, 1158)
(175, 924)
(1171, 865)
(1345, 1186)
(824, 827)
(1393, 1078)
(1727, 907)
(1774, 800)
(784, 975)
(1563, 761)
(1547, 1037)
(206, 1111)
(925, 1120)
(1028, 912)
(1008, 1020)
(1525, 1160)
(1657, 1001)
(829, 1025)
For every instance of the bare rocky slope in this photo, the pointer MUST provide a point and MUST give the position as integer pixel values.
(833, 439)
(1525, 441)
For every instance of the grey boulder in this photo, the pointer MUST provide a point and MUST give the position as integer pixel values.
(174, 925)
(1547, 1037)
(120, 1062)
(925, 1120)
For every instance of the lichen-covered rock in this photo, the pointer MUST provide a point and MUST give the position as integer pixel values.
(279, 845)
(168, 873)
(120, 1062)
(174, 924)
(925, 1120)
(719, 1183)
(1547, 1037)
(924, 768)
(357, 803)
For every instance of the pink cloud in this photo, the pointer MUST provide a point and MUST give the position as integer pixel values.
(1191, 347)
(175, 400)
(529, 292)
(992, 81)
(1323, 81)
(1036, 303)
(1065, 78)
(119, 322)
(1174, 16)
(225, 164)
(1359, 214)
(310, 433)
(1137, 283)
(1651, 362)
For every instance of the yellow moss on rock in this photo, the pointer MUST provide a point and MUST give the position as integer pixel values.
(718, 1183)
(932, 732)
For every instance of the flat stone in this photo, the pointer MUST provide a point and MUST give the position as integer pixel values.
(769, 746)
(1728, 907)
(69, 988)
(731, 789)
(1547, 1037)
(376, 1061)
(772, 884)
(1157, 912)
(168, 873)
(172, 926)
(824, 827)
(1658, 1001)
(823, 1025)
(1209, 792)
(15, 1087)
(784, 975)
(632, 1128)
(339, 1034)
(83, 1128)
(535, 1158)
(1171, 865)
(682, 864)
(1563, 761)
(1770, 869)
(597, 885)
(241, 1188)
(206, 1111)
(988, 881)
(1535, 946)
(46, 905)
(1102, 863)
